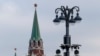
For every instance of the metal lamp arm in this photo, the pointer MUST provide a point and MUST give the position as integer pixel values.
(62, 9)
(57, 10)
(71, 10)
(75, 7)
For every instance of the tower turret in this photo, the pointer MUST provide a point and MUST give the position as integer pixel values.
(35, 42)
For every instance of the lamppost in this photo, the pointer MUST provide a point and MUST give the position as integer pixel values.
(67, 16)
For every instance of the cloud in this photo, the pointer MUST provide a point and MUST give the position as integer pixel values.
(12, 23)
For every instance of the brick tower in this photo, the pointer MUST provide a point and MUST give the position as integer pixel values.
(35, 42)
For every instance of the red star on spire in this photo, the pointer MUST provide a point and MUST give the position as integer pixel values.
(35, 5)
(15, 49)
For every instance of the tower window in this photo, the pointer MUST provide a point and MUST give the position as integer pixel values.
(34, 43)
(39, 44)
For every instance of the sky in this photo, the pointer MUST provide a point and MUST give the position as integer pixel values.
(16, 19)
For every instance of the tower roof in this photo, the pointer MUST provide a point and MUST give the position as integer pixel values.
(35, 29)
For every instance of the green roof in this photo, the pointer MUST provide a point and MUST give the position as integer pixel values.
(35, 29)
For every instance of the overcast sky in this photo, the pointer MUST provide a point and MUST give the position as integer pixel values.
(16, 18)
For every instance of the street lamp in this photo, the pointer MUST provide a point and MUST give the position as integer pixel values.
(67, 16)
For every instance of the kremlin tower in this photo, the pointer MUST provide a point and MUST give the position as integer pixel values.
(35, 42)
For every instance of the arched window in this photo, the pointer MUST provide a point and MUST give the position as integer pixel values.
(39, 43)
(34, 43)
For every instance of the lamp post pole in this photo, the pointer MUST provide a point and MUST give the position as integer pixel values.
(67, 16)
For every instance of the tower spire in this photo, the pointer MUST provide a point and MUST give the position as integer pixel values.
(15, 52)
(35, 29)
